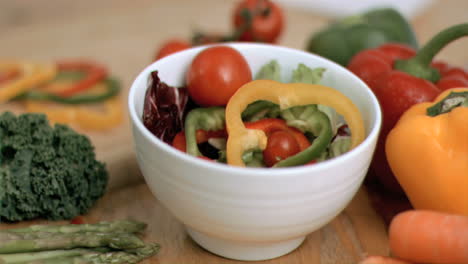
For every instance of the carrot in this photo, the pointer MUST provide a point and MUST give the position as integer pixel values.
(382, 260)
(424, 236)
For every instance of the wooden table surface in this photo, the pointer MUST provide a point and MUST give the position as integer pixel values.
(124, 35)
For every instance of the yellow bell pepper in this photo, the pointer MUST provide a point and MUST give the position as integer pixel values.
(30, 75)
(427, 151)
(287, 95)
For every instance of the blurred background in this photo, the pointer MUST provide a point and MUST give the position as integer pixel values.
(126, 34)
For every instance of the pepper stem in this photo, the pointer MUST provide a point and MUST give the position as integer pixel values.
(453, 100)
(419, 65)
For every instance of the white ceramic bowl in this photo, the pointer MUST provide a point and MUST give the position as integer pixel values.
(252, 213)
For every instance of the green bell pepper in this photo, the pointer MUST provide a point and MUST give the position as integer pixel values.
(208, 119)
(342, 39)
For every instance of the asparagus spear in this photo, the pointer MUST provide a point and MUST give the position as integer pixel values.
(123, 226)
(51, 241)
(82, 256)
(42, 255)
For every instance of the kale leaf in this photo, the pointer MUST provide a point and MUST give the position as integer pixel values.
(46, 171)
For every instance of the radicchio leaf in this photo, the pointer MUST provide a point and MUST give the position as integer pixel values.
(164, 108)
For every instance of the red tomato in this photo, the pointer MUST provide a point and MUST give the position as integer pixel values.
(215, 75)
(179, 141)
(172, 46)
(281, 144)
(258, 20)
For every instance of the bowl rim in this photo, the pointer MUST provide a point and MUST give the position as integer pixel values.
(142, 78)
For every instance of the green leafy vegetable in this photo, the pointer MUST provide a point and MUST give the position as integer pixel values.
(304, 74)
(46, 172)
(269, 71)
(340, 145)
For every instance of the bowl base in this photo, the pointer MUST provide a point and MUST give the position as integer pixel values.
(244, 250)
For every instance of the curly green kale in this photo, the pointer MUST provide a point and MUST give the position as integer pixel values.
(46, 172)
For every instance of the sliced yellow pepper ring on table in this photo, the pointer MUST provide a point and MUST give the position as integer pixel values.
(56, 113)
(108, 116)
(285, 95)
(30, 75)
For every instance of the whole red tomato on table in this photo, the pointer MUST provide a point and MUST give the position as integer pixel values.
(258, 20)
(172, 46)
(215, 75)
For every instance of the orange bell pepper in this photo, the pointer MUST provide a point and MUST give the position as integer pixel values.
(427, 151)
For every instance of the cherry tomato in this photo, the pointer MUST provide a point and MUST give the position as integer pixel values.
(179, 141)
(172, 46)
(258, 20)
(281, 144)
(215, 75)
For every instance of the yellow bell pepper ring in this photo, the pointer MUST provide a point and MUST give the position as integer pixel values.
(30, 75)
(285, 95)
(111, 117)
(427, 151)
(106, 118)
